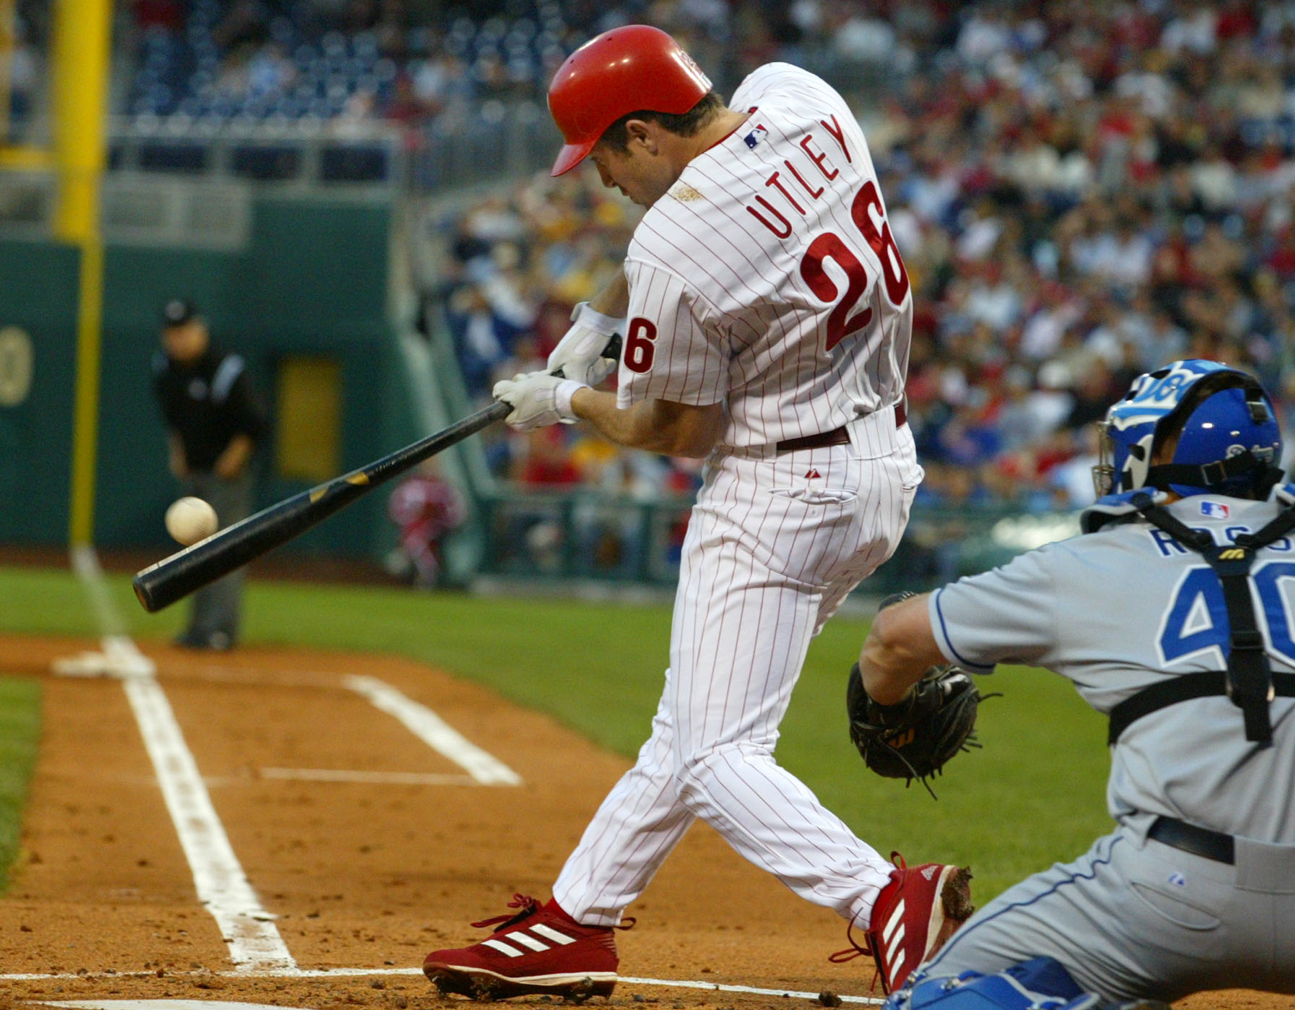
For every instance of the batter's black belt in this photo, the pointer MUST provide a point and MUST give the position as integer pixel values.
(1189, 838)
(838, 436)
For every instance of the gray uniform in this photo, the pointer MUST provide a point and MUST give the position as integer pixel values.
(1116, 611)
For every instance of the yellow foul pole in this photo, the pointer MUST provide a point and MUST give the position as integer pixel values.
(82, 38)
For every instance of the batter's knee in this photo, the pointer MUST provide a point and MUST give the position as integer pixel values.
(703, 775)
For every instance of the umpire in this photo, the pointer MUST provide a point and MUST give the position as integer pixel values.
(214, 421)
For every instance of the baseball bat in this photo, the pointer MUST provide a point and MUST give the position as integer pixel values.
(178, 575)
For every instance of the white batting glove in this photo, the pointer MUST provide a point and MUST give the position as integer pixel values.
(537, 399)
(579, 352)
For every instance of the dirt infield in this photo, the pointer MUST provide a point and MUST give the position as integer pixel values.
(365, 846)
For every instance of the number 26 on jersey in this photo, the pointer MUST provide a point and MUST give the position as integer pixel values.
(870, 219)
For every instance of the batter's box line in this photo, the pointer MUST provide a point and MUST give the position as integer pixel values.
(308, 973)
(371, 777)
(433, 731)
(750, 990)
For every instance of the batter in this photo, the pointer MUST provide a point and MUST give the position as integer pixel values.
(768, 323)
(1195, 889)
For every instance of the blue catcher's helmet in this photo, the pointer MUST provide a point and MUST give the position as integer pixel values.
(1228, 441)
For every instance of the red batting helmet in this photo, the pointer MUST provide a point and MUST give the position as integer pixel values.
(618, 72)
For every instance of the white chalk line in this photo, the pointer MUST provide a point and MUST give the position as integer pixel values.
(434, 731)
(85, 562)
(156, 1004)
(483, 768)
(368, 778)
(306, 973)
(222, 886)
(118, 653)
(752, 990)
(223, 889)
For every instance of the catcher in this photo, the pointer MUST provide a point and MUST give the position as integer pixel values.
(1172, 615)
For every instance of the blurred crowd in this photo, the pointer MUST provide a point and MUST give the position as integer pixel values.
(392, 60)
(1080, 192)
(24, 34)
(1083, 192)
(411, 62)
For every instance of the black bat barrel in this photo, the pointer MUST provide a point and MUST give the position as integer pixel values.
(177, 576)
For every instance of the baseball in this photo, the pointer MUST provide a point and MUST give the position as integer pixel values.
(189, 520)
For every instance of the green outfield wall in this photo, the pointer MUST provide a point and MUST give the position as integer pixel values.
(38, 286)
(311, 281)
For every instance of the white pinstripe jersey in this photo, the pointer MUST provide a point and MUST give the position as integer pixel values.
(767, 277)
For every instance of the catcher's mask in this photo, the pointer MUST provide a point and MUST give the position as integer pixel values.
(1227, 438)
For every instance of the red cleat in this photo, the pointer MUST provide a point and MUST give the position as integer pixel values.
(912, 918)
(541, 949)
(914, 915)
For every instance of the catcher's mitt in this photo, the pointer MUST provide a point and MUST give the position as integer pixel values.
(914, 738)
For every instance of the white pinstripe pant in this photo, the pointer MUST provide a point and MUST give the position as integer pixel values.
(769, 556)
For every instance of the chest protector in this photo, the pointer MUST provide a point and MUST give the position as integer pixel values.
(1249, 679)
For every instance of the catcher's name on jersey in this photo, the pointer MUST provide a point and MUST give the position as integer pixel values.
(1168, 546)
(767, 277)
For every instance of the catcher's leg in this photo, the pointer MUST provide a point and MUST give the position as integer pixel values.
(1041, 983)
(1137, 919)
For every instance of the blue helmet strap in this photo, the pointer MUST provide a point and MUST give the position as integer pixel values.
(1249, 680)
(1208, 475)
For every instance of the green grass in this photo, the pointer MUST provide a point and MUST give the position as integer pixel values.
(19, 735)
(1032, 796)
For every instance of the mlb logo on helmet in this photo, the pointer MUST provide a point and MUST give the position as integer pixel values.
(690, 67)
